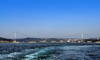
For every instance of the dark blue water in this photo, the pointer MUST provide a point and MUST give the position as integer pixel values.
(49, 51)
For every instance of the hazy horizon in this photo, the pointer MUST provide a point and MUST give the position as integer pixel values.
(50, 18)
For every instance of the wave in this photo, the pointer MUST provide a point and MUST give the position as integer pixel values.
(79, 52)
(17, 55)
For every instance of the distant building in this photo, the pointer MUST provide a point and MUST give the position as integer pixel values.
(53, 41)
(97, 42)
(61, 41)
(32, 42)
(15, 41)
(43, 41)
(68, 41)
(79, 41)
(89, 41)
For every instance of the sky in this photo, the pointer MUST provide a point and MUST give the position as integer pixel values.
(50, 18)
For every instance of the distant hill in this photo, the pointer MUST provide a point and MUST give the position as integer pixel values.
(92, 39)
(55, 39)
(28, 39)
(47, 40)
(5, 40)
(39, 39)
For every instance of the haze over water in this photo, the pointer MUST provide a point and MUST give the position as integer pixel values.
(49, 18)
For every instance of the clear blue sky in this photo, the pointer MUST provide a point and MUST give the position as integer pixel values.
(50, 18)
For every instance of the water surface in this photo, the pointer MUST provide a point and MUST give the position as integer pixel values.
(49, 51)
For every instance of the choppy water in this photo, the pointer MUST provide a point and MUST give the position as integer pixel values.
(10, 51)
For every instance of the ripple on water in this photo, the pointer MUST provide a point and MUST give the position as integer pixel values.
(80, 52)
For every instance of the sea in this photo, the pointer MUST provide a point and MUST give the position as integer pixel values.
(49, 51)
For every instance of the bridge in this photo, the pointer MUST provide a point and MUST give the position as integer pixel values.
(15, 34)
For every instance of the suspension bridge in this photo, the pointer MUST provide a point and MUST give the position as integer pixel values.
(16, 34)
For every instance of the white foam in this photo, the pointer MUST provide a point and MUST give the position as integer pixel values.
(35, 55)
(14, 54)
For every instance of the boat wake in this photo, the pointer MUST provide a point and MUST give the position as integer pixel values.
(81, 52)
